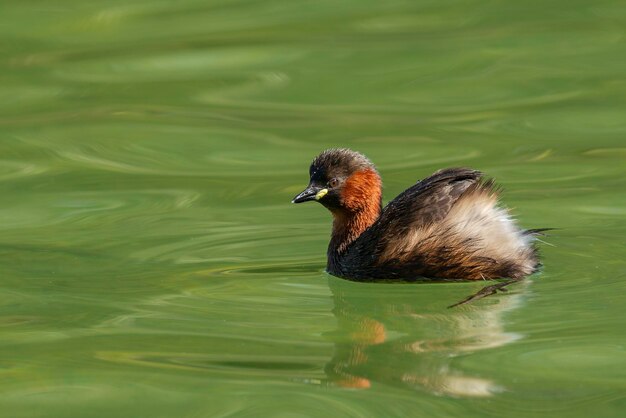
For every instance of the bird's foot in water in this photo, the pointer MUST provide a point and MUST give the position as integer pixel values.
(486, 291)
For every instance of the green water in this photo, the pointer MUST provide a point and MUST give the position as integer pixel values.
(151, 264)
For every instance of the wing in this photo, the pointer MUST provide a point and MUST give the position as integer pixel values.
(420, 206)
(428, 201)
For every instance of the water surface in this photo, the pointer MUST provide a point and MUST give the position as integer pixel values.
(151, 264)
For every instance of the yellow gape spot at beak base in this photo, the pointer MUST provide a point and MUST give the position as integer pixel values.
(321, 194)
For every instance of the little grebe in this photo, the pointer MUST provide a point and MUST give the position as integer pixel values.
(446, 226)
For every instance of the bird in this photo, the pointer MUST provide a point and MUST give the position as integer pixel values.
(449, 225)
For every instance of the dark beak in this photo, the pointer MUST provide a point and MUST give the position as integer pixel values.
(306, 195)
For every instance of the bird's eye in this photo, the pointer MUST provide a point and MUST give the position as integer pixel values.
(333, 182)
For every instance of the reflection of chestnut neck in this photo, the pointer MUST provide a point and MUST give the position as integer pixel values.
(361, 207)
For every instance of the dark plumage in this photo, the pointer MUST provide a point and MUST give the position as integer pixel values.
(446, 226)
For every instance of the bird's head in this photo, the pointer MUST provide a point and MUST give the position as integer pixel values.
(342, 180)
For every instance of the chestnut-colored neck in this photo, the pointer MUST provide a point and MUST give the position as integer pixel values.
(361, 207)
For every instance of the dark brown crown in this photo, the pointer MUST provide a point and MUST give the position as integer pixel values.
(338, 162)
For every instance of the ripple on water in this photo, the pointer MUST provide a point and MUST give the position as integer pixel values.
(152, 152)
(229, 243)
(12, 170)
(233, 365)
(617, 152)
(46, 209)
(179, 65)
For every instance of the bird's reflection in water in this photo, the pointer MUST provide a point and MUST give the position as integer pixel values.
(398, 335)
